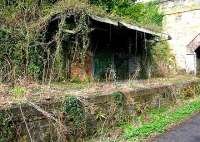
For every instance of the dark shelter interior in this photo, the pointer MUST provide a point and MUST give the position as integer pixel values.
(118, 52)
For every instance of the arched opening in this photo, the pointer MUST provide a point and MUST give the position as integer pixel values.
(197, 51)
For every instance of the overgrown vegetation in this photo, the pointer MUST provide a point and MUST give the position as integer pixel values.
(79, 117)
(29, 49)
(156, 120)
(162, 60)
(7, 130)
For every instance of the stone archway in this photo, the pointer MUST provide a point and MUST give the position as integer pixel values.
(193, 48)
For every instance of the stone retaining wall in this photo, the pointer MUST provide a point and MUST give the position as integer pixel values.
(74, 118)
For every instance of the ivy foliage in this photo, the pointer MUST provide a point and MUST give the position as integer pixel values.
(75, 111)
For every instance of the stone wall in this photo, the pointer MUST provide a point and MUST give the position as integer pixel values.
(182, 23)
(74, 118)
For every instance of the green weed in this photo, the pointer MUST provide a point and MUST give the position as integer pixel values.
(18, 92)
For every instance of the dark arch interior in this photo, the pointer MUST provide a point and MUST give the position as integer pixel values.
(197, 51)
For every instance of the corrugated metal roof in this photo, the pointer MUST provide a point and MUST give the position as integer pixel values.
(129, 26)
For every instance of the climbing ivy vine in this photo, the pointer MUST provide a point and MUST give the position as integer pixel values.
(75, 111)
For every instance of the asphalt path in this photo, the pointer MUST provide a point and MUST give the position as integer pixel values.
(188, 131)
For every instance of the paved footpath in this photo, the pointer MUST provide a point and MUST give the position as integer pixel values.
(189, 131)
